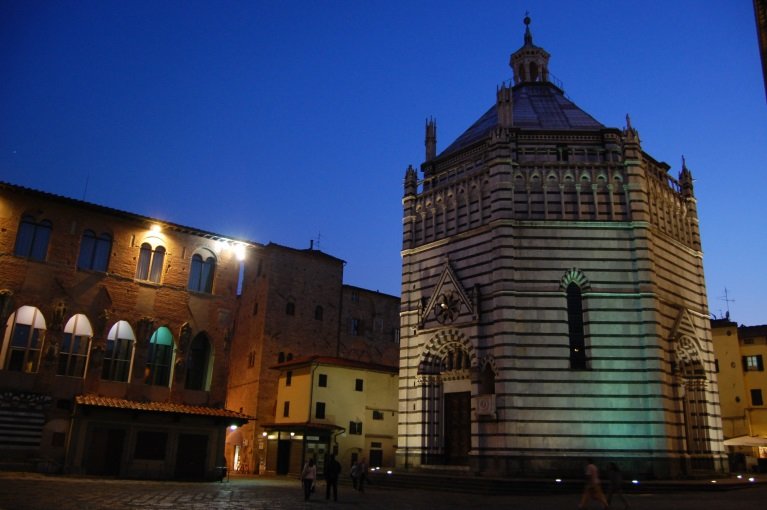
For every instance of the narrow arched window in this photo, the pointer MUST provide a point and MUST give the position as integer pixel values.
(575, 326)
(290, 308)
(201, 273)
(533, 71)
(318, 312)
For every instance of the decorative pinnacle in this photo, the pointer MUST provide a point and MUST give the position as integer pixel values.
(528, 35)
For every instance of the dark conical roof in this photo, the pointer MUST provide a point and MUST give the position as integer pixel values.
(537, 106)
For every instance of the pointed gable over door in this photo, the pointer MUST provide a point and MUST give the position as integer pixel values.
(450, 303)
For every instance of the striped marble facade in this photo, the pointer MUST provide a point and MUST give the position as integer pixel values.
(494, 235)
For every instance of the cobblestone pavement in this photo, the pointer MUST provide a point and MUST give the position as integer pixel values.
(21, 491)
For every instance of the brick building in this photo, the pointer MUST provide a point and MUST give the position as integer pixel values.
(120, 332)
(116, 331)
(294, 304)
(553, 300)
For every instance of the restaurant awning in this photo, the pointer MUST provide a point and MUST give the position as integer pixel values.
(746, 441)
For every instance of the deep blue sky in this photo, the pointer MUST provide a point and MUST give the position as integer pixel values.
(289, 121)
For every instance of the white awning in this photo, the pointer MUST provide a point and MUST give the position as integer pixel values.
(746, 441)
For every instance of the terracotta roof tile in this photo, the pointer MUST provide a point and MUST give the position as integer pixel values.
(158, 407)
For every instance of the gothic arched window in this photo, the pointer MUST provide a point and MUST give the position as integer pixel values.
(197, 363)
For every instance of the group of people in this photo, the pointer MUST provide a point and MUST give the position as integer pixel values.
(593, 488)
(358, 473)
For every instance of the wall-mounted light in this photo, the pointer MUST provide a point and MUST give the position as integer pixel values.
(155, 228)
(232, 427)
(239, 251)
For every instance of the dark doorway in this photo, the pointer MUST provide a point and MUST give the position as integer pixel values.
(105, 452)
(457, 427)
(191, 455)
(375, 458)
(283, 456)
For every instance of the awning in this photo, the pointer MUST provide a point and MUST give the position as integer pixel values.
(746, 441)
(302, 427)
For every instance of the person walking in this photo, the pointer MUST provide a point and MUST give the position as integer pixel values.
(363, 474)
(354, 472)
(616, 485)
(308, 477)
(593, 488)
(332, 470)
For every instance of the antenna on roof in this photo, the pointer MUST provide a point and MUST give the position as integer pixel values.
(85, 191)
(727, 301)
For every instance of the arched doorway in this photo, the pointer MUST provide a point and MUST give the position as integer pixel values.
(445, 377)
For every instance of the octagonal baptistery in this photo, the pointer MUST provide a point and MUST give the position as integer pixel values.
(553, 300)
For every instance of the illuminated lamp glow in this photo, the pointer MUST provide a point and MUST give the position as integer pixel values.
(239, 251)
(263, 434)
(558, 480)
(232, 427)
(635, 482)
(752, 479)
(740, 477)
(388, 471)
(713, 481)
(292, 434)
(155, 228)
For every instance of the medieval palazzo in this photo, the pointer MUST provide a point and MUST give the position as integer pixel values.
(553, 300)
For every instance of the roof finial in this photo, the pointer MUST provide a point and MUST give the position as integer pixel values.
(528, 35)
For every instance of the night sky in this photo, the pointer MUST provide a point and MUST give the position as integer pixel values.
(288, 122)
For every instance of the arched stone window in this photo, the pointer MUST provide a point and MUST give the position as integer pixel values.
(118, 355)
(150, 262)
(23, 342)
(75, 347)
(159, 358)
(201, 272)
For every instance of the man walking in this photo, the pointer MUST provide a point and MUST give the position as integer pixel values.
(332, 470)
